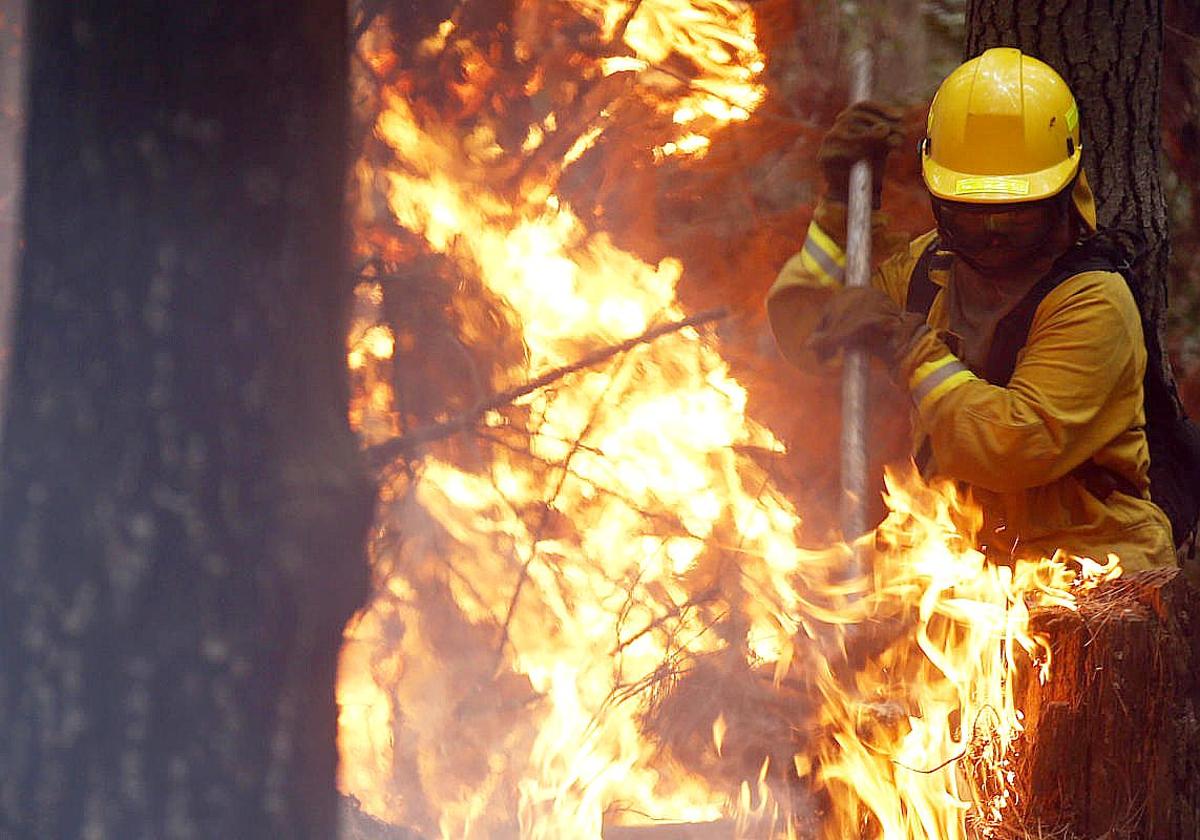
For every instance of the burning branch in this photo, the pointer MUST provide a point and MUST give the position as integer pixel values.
(539, 531)
(619, 33)
(405, 446)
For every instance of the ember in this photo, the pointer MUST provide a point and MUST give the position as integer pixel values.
(591, 608)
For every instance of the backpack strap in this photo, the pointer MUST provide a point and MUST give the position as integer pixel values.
(921, 288)
(919, 297)
(1013, 329)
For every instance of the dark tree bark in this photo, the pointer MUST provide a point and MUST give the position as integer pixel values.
(12, 132)
(1110, 52)
(181, 506)
(1112, 741)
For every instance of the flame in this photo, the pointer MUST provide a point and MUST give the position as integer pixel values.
(546, 593)
(716, 35)
(598, 587)
(691, 144)
(927, 732)
(719, 728)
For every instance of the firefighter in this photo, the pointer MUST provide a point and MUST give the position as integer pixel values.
(1052, 445)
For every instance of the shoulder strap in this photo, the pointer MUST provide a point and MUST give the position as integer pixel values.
(919, 297)
(921, 288)
(1013, 330)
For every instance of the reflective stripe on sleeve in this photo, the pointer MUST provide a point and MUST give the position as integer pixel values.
(822, 257)
(932, 379)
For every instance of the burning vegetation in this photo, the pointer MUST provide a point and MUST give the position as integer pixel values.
(596, 606)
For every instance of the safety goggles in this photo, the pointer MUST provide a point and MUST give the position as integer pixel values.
(976, 228)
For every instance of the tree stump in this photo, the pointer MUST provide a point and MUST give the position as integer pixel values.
(1112, 743)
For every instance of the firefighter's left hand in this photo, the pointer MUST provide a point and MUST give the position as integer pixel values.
(865, 317)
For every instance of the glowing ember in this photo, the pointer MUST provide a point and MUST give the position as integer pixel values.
(594, 612)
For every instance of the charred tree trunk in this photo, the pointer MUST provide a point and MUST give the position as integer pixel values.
(181, 506)
(1111, 53)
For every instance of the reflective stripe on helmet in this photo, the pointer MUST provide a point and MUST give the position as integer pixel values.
(997, 185)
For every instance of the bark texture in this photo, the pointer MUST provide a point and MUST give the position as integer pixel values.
(1110, 52)
(12, 133)
(181, 506)
(1112, 743)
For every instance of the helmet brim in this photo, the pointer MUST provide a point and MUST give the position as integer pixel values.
(971, 188)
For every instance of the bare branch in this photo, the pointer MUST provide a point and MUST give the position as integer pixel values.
(369, 10)
(382, 454)
(619, 32)
(538, 533)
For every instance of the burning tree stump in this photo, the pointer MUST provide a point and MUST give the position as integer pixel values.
(1113, 739)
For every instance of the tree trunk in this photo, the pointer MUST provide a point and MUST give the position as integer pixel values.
(181, 504)
(12, 133)
(1110, 52)
(1112, 741)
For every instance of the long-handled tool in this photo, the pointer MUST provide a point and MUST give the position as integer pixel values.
(854, 381)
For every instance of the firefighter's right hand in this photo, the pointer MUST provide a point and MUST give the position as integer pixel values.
(868, 318)
(865, 131)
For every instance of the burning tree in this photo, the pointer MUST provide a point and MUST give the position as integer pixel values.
(183, 508)
(593, 609)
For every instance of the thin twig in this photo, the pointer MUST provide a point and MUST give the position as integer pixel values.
(668, 668)
(538, 532)
(487, 434)
(383, 453)
(953, 758)
(619, 32)
(693, 84)
(626, 609)
(676, 528)
(706, 597)
(370, 11)
(1175, 30)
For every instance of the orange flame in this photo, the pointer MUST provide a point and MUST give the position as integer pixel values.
(533, 608)
(716, 35)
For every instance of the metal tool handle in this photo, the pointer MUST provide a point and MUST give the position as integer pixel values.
(854, 376)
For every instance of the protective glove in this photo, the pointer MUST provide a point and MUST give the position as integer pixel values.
(865, 317)
(866, 130)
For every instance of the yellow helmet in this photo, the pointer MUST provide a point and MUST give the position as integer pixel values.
(1002, 128)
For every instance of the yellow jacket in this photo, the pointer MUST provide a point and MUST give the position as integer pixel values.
(1075, 397)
